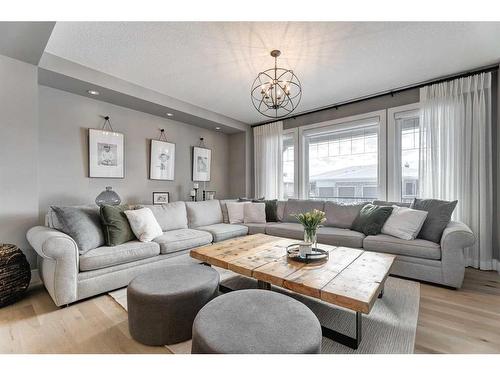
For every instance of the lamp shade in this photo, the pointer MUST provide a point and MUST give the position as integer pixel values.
(109, 197)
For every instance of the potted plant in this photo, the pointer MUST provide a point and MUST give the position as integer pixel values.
(311, 221)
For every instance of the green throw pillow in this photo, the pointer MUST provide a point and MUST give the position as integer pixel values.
(271, 209)
(371, 219)
(115, 225)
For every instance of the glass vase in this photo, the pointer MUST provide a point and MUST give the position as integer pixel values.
(310, 236)
(109, 197)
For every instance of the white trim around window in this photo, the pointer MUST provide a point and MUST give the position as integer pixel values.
(295, 133)
(339, 124)
(394, 149)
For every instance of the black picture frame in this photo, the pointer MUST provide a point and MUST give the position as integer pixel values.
(159, 201)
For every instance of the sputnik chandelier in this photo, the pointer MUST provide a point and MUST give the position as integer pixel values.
(276, 92)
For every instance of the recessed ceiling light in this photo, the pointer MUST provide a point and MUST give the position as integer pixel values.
(217, 128)
(169, 114)
(93, 92)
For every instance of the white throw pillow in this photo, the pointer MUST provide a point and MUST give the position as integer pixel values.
(235, 212)
(143, 224)
(254, 213)
(404, 223)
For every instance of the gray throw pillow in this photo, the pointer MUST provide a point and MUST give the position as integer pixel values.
(81, 224)
(438, 217)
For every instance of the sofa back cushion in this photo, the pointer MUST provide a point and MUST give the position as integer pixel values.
(342, 215)
(298, 206)
(81, 224)
(204, 213)
(170, 216)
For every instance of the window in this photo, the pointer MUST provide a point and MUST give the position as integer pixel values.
(370, 192)
(403, 152)
(341, 161)
(409, 132)
(288, 161)
(347, 192)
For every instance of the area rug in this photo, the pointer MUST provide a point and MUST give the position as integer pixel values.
(388, 329)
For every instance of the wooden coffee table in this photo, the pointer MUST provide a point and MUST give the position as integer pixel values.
(350, 278)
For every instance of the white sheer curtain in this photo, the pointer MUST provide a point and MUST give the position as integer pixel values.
(268, 152)
(456, 155)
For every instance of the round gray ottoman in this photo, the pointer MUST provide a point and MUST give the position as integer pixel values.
(162, 304)
(256, 322)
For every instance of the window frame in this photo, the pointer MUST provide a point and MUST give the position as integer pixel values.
(344, 123)
(295, 135)
(394, 177)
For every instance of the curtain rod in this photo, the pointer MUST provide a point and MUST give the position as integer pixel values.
(484, 69)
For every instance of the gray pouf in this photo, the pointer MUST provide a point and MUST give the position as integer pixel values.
(256, 322)
(162, 304)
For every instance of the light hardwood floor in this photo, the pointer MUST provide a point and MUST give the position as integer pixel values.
(450, 321)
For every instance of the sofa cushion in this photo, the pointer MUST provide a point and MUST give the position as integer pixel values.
(182, 239)
(221, 232)
(115, 225)
(280, 210)
(106, 256)
(342, 215)
(236, 212)
(51, 220)
(143, 224)
(404, 223)
(371, 219)
(340, 237)
(271, 208)
(287, 230)
(170, 216)
(438, 217)
(298, 206)
(81, 224)
(203, 213)
(254, 228)
(384, 243)
(223, 206)
(254, 213)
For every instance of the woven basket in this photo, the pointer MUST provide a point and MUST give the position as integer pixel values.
(15, 274)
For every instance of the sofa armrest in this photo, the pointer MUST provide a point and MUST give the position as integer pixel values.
(59, 266)
(457, 235)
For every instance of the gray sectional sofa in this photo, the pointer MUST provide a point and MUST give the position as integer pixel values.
(70, 276)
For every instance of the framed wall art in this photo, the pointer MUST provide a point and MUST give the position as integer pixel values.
(161, 197)
(201, 163)
(162, 161)
(106, 154)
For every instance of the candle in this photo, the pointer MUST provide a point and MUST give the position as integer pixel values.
(192, 193)
(195, 185)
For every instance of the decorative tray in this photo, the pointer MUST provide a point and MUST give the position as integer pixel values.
(317, 255)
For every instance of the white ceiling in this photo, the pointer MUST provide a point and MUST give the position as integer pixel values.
(213, 64)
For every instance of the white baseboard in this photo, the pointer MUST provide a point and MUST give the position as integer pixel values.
(35, 279)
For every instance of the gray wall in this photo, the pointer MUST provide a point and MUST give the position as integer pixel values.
(63, 158)
(237, 163)
(18, 152)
